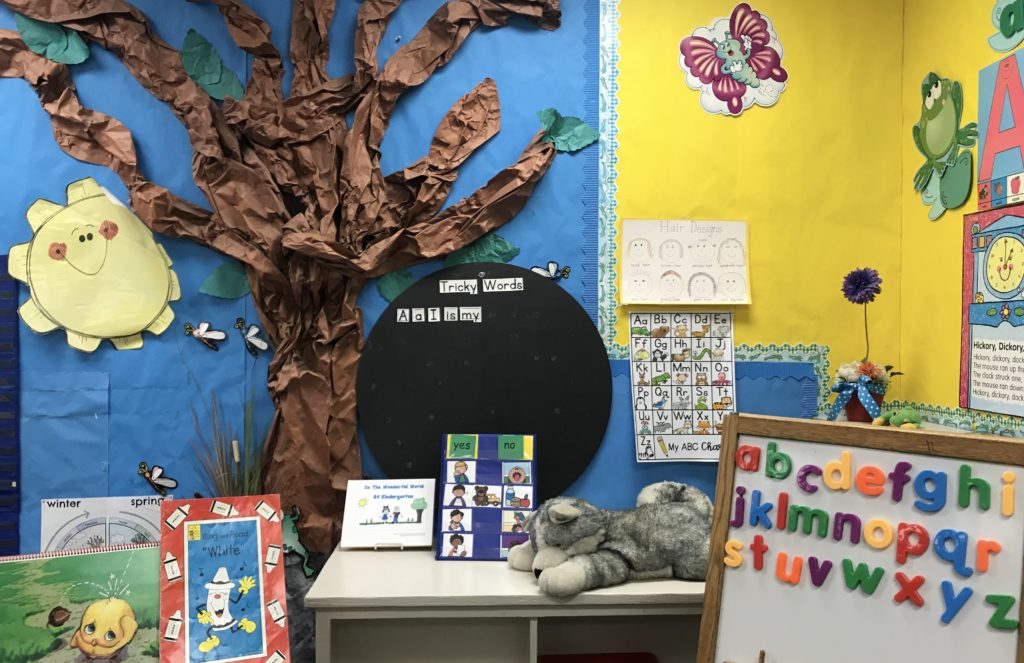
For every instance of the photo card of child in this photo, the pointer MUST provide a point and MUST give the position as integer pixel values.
(488, 490)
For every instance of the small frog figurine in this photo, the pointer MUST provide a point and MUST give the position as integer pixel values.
(906, 417)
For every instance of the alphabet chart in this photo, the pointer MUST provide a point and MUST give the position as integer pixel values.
(488, 491)
(683, 378)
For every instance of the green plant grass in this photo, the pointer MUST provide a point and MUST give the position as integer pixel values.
(227, 472)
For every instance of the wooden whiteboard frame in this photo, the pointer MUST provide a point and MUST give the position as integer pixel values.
(984, 448)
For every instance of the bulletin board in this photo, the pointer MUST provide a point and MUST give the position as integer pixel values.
(124, 408)
(88, 420)
(844, 543)
(104, 413)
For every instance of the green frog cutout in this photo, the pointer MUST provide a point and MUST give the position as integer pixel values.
(290, 539)
(944, 181)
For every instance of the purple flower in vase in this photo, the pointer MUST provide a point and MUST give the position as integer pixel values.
(861, 286)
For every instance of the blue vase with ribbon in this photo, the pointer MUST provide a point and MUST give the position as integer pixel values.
(862, 392)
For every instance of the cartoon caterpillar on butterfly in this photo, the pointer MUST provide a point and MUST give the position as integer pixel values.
(734, 56)
(742, 59)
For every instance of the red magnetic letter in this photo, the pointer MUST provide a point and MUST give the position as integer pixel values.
(904, 545)
(748, 458)
(908, 589)
(759, 548)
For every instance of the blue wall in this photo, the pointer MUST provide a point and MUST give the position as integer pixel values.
(89, 419)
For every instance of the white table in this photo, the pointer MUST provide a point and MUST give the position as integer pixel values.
(405, 607)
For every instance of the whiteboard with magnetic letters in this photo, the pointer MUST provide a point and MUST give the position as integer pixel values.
(757, 610)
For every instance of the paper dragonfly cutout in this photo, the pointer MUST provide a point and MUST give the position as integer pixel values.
(251, 336)
(552, 271)
(155, 476)
(205, 335)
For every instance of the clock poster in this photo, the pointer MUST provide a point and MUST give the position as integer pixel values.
(992, 336)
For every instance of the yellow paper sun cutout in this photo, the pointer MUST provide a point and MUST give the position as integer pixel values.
(94, 270)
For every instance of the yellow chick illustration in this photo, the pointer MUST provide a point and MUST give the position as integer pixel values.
(107, 626)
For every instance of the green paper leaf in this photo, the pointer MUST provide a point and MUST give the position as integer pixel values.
(569, 134)
(227, 281)
(52, 41)
(392, 284)
(204, 66)
(548, 117)
(492, 247)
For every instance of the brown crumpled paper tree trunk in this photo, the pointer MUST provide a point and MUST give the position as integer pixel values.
(298, 195)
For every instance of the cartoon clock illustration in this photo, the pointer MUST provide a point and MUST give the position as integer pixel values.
(1004, 265)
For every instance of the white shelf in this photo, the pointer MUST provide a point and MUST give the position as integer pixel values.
(360, 594)
(413, 578)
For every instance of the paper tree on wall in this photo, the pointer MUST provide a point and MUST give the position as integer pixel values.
(299, 194)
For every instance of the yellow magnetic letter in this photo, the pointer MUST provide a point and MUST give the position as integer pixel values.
(733, 556)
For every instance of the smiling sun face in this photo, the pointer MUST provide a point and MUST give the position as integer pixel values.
(94, 270)
(89, 255)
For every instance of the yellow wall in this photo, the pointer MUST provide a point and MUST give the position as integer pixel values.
(952, 43)
(817, 177)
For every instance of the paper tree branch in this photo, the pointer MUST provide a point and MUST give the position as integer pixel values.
(370, 27)
(252, 34)
(298, 196)
(488, 208)
(123, 30)
(420, 189)
(95, 137)
(311, 19)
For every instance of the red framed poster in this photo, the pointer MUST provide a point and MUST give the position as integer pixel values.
(222, 591)
(992, 319)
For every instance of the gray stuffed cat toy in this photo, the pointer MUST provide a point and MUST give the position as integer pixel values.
(576, 546)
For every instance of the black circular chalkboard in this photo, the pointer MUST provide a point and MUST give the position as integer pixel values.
(534, 364)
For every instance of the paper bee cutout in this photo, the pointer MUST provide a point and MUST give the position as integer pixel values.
(251, 336)
(552, 271)
(205, 335)
(156, 478)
